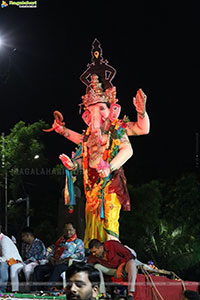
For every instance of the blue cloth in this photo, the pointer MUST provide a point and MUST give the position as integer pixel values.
(3, 276)
(37, 251)
(102, 196)
(74, 249)
(70, 185)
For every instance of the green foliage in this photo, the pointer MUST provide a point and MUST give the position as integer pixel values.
(23, 143)
(182, 198)
(172, 248)
(19, 149)
(162, 225)
(144, 214)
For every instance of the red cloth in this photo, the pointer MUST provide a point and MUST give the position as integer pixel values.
(116, 254)
(60, 247)
(118, 185)
(168, 288)
(93, 175)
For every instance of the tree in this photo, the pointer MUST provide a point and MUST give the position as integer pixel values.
(180, 208)
(23, 143)
(182, 198)
(163, 225)
(143, 217)
(19, 151)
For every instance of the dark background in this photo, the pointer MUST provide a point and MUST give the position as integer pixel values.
(153, 46)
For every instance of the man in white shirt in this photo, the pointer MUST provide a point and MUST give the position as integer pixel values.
(9, 259)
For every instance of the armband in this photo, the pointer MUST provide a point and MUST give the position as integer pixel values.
(142, 115)
(111, 168)
(63, 131)
(76, 165)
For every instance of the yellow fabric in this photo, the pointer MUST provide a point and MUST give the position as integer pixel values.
(112, 207)
(95, 226)
(66, 192)
(99, 228)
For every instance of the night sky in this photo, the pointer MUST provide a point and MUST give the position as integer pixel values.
(153, 47)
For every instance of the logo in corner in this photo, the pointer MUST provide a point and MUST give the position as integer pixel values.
(4, 4)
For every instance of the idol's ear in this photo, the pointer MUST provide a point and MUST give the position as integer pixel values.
(86, 116)
(115, 110)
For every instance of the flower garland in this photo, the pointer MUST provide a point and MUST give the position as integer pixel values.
(95, 194)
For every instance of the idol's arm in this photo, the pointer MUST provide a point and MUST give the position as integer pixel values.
(142, 126)
(125, 152)
(71, 135)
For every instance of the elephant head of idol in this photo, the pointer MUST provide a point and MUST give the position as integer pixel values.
(100, 107)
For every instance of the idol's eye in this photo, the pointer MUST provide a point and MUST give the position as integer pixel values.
(102, 108)
(115, 108)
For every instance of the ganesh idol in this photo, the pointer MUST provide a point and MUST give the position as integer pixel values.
(104, 148)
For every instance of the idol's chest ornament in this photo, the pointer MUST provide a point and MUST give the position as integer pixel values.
(96, 148)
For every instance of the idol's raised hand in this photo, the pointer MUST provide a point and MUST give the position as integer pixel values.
(140, 101)
(58, 124)
(66, 161)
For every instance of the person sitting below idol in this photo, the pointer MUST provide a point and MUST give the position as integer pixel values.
(67, 248)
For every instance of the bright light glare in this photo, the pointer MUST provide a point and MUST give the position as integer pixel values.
(2, 42)
(36, 156)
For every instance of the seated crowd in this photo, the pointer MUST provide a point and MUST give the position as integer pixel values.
(45, 269)
(41, 267)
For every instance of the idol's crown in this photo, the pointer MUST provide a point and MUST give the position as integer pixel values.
(97, 95)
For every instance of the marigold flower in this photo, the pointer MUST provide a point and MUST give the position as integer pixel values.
(117, 142)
